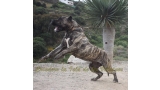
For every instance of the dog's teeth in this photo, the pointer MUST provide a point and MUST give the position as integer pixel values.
(56, 28)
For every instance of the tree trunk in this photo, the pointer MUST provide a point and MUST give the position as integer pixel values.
(108, 41)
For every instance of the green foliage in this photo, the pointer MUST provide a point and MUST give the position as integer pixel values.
(95, 39)
(60, 5)
(39, 10)
(80, 20)
(43, 5)
(122, 42)
(65, 58)
(77, 12)
(79, 6)
(39, 48)
(108, 12)
(39, 39)
(54, 6)
(124, 37)
(39, 4)
(120, 53)
(47, 37)
(121, 37)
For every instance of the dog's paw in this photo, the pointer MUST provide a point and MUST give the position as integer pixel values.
(115, 80)
(93, 79)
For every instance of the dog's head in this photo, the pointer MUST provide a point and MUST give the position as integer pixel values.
(64, 24)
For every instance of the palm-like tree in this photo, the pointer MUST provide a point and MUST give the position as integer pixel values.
(107, 14)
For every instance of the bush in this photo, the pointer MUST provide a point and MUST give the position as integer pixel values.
(79, 6)
(38, 4)
(80, 20)
(122, 42)
(46, 36)
(39, 48)
(43, 5)
(39, 10)
(120, 53)
(77, 12)
(60, 5)
(54, 5)
(65, 58)
(38, 39)
(123, 37)
(95, 39)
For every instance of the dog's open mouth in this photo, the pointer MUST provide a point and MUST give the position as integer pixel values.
(56, 29)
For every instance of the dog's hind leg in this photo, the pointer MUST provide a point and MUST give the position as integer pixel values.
(107, 66)
(94, 68)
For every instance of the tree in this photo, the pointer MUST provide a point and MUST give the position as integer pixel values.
(106, 14)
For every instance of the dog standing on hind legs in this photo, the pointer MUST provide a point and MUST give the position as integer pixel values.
(76, 43)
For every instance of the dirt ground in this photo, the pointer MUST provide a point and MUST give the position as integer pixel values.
(53, 76)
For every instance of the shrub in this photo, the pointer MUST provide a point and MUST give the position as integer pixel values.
(65, 58)
(38, 4)
(80, 20)
(123, 37)
(39, 10)
(122, 42)
(95, 39)
(54, 5)
(120, 53)
(77, 12)
(60, 5)
(39, 48)
(46, 36)
(38, 39)
(79, 6)
(43, 5)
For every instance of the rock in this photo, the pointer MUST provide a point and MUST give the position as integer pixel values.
(73, 59)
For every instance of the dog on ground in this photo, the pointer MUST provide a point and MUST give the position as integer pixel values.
(76, 43)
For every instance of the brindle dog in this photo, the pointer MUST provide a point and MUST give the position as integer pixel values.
(76, 43)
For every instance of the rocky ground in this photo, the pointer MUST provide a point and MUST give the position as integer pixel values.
(77, 76)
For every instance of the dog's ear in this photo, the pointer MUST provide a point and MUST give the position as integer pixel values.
(70, 18)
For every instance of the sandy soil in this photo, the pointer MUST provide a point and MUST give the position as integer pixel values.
(53, 76)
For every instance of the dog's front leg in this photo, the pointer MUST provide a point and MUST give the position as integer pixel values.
(68, 50)
(52, 53)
